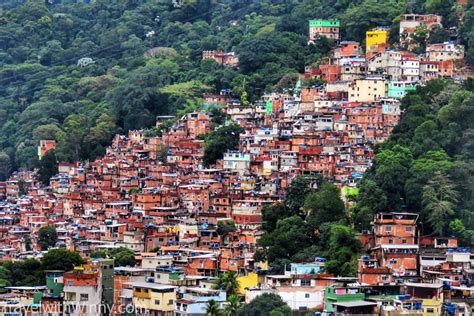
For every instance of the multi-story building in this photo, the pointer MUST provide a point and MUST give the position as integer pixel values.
(398, 89)
(386, 63)
(83, 290)
(323, 28)
(222, 58)
(444, 51)
(410, 69)
(153, 299)
(369, 89)
(396, 242)
(410, 22)
(374, 38)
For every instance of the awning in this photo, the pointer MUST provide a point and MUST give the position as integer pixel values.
(354, 304)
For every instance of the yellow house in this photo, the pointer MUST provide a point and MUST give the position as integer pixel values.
(154, 298)
(430, 294)
(368, 90)
(375, 37)
(247, 281)
(432, 307)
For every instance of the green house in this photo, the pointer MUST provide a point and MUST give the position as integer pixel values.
(54, 282)
(398, 89)
(338, 294)
(324, 23)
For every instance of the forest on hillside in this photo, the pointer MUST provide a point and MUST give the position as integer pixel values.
(79, 72)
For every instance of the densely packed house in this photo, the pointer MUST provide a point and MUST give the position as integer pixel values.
(152, 193)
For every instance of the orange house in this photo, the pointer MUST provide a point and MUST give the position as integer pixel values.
(45, 146)
(395, 228)
(202, 265)
(369, 272)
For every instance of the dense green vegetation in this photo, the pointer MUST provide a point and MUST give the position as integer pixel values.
(31, 272)
(122, 256)
(81, 71)
(219, 141)
(313, 218)
(426, 166)
(265, 305)
(47, 237)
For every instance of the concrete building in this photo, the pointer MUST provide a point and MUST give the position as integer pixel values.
(153, 299)
(237, 161)
(444, 51)
(323, 28)
(375, 37)
(368, 90)
(83, 290)
(398, 89)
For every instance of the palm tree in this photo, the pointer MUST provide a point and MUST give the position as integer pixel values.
(439, 201)
(233, 306)
(228, 282)
(213, 308)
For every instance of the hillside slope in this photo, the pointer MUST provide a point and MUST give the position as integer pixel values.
(75, 71)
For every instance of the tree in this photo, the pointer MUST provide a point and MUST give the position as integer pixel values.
(28, 272)
(324, 205)
(60, 259)
(225, 227)
(5, 165)
(272, 213)
(419, 38)
(22, 187)
(370, 200)
(28, 244)
(264, 304)
(228, 282)
(275, 246)
(421, 171)
(96, 254)
(219, 141)
(439, 200)
(393, 166)
(296, 194)
(343, 247)
(45, 132)
(438, 34)
(465, 236)
(123, 256)
(48, 167)
(360, 18)
(213, 308)
(233, 305)
(5, 279)
(244, 98)
(47, 237)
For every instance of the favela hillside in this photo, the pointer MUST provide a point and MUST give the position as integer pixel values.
(236, 158)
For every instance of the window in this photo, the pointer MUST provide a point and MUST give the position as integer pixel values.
(170, 302)
(306, 295)
(84, 297)
(408, 229)
(305, 282)
(430, 310)
(157, 302)
(388, 228)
